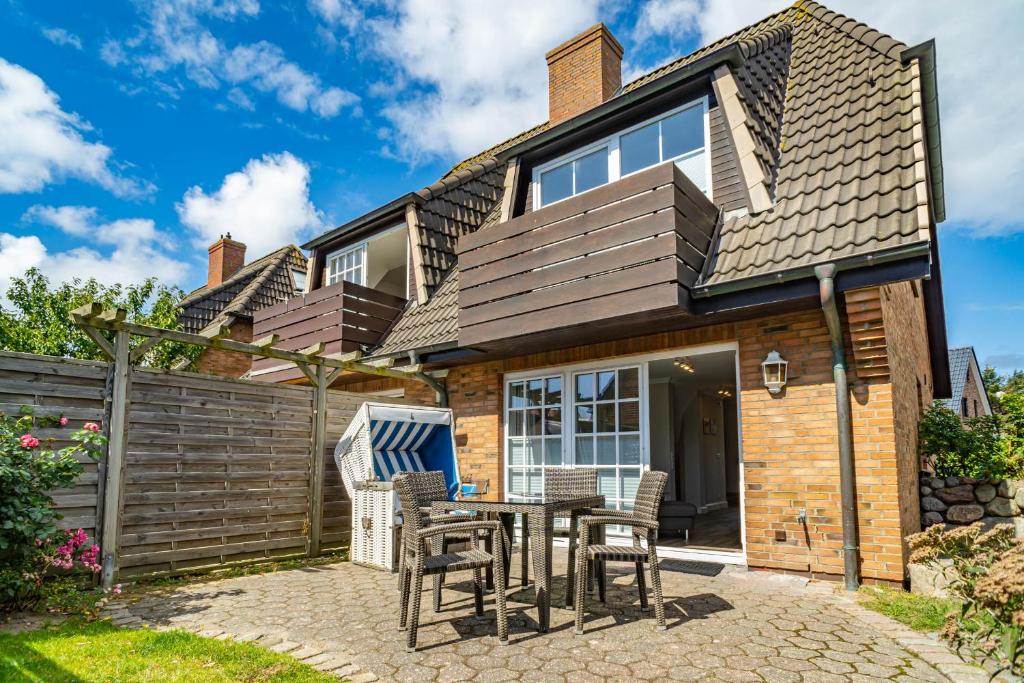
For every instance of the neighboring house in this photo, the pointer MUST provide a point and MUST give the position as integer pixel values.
(608, 288)
(969, 398)
(233, 291)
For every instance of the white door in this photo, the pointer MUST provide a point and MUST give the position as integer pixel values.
(712, 451)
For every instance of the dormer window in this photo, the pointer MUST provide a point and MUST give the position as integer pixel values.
(680, 135)
(347, 265)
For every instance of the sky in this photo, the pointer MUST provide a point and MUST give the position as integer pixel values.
(133, 134)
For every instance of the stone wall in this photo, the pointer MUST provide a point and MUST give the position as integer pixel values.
(965, 500)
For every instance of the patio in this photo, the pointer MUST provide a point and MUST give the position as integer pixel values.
(724, 623)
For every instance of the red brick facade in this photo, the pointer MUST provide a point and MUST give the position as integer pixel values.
(228, 363)
(582, 73)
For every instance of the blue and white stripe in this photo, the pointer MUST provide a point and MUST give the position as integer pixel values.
(396, 446)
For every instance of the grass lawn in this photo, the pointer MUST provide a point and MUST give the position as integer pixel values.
(99, 651)
(919, 612)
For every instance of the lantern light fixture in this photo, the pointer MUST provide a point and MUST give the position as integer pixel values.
(774, 367)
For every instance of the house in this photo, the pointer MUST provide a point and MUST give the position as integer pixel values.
(969, 398)
(725, 269)
(233, 292)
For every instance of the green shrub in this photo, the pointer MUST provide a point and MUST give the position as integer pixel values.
(31, 543)
(985, 447)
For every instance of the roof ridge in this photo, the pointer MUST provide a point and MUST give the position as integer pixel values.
(867, 36)
(244, 296)
(247, 270)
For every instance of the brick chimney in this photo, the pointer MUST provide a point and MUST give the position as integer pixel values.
(583, 72)
(226, 257)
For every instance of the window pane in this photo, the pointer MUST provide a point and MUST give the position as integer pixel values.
(556, 184)
(639, 149)
(584, 388)
(584, 419)
(629, 450)
(552, 451)
(533, 422)
(535, 451)
(682, 132)
(696, 170)
(584, 450)
(606, 386)
(516, 452)
(516, 395)
(535, 482)
(606, 450)
(630, 481)
(629, 383)
(552, 420)
(517, 481)
(592, 170)
(608, 484)
(629, 416)
(553, 391)
(515, 423)
(605, 417)
(534, 392)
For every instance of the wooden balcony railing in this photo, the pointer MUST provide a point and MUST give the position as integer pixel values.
(344, 316)
(616, 256)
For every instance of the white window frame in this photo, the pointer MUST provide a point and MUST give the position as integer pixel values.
(611, 142)
(341, 253)
(568, 372)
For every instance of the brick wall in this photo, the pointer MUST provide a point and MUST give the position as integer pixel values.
(790, 443)
(972, 392)
(228, 363)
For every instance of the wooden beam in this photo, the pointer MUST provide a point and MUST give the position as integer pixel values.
(351, 356)
(381, 362)
(268, 341)
(333, 375)
(115, 457)
(219, 332)
(237, 346)
(90, 310)
(316, 471)
(139, 351)
(307, 372)
(105, 346)
(313, 349)
(113, 315)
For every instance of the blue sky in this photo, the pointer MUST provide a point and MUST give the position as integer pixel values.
(132, 134)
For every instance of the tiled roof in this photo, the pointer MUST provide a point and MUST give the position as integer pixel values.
(264, 282)
(832, 115)
(435, 322)
(960, 361)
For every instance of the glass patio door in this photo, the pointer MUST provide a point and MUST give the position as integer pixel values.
(533, 433)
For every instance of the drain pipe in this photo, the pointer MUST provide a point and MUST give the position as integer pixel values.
(847, 474)
(439, 389)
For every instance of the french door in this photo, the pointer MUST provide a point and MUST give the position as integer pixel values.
(583, 417)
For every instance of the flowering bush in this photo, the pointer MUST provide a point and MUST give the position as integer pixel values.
(987, 574)
(30, 542)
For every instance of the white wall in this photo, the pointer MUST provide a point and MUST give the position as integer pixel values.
(663, 452)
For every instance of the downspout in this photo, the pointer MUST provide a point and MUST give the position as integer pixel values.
(847, 474)
(440, 389)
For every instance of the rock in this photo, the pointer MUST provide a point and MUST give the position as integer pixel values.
(985, 492)
(1019, 498)
(927, 579)
(952, 481)
(965, 514)
(926, 491)
(930, 518)
(932, 504)
(969, 480)
(956, 494)
(1002, 507)
(937, 483)
(1007, 488)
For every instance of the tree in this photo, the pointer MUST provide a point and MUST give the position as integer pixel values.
(993, 383)
(38, 318)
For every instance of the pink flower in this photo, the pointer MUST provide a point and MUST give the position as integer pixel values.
(117, 589)
(63, 421)
(29, 441)
(91, 426)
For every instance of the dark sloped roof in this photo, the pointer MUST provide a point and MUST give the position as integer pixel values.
(960, 361)
(830, 108)
(432, 324)
(264, 282)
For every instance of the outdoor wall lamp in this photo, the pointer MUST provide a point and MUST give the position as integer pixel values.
(774, 369)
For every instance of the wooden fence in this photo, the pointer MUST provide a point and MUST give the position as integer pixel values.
(215, 471)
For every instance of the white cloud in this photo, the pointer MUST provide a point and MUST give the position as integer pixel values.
(42, 144)
(60, 36)
(177, 36)
(469, 74)
(266, 205)
(337, 12)
(138, 250)
(981, 86)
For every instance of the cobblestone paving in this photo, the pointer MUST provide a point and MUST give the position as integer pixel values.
(734, 626)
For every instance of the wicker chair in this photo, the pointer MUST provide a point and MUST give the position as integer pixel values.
(643, 518)
(431, 487)
(566, 484)
(417, 538)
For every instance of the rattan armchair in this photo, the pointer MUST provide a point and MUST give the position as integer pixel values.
(566, 484)
(643, 520)
(418, 561)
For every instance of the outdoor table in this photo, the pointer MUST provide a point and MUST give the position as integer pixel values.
(539, 527)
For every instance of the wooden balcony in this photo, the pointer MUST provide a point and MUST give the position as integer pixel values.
(344, 316)
(610, 260)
